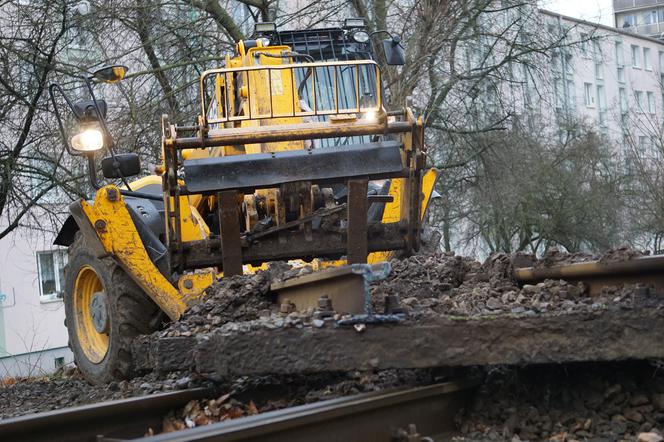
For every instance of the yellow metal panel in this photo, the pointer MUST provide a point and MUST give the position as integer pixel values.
(272, 96)
(192, 286)
(120, 239)
(392, 213)
(428, 184)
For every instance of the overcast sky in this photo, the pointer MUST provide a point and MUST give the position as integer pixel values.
(591, 10)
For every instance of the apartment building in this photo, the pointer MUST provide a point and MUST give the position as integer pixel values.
(643, 17)
(609, 77)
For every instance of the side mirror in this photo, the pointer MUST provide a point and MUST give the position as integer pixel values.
(394, 52)
(128, 163)
(110, 74)
(85, 110)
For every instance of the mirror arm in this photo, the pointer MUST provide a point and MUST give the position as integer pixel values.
(382, 31)
(107, 134)
(92, 171)
(61, 128)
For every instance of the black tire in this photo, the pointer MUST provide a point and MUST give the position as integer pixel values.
(130, 313)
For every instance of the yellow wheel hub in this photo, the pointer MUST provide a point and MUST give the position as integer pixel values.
(88, 287)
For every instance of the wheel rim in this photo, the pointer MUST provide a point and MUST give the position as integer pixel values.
(93, 343)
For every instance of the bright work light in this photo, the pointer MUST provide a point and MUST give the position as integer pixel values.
(353, 23)
(265, 27)
(90, 139)
(361, 36)
(371, 115)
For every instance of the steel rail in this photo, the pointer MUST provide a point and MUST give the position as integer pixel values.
(645, 270)
(364, 417)
(114, 419)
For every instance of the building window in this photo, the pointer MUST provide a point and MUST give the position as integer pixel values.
(51, 269)
(622, 94)
(588, 94)
(599, 71)
(638, 97)
(559, 92)
(630, 19)
(644, 144)
(584, 45)
(651, 102)
(601, 105)
(636, 57)
(650, 17)
(620, 56)
(647, 62)
(571, 98)
(597, 51)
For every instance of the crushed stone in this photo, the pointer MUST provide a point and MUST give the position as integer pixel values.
(574, 402)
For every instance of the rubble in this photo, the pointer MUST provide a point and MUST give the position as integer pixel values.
(34, 395)
(458, 312)
(578, 402)
(239, 298)
(249, 396)
(467, 289)
(427, 287)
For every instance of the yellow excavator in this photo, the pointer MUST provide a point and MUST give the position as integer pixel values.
(293, 157)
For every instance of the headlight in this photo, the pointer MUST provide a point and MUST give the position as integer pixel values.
(89, 140)
(361, 36)
(371, 115)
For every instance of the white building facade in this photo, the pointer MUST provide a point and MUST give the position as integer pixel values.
(33, 338)
(609, 78)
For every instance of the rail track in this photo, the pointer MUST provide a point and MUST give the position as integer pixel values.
(410, 415)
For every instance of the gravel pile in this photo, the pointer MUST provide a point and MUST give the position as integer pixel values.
(436, 285)
(237, 299)
(470, 289)
(582, 402)
(36, 395)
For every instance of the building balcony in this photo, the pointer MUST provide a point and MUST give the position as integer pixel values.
(626, 5)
